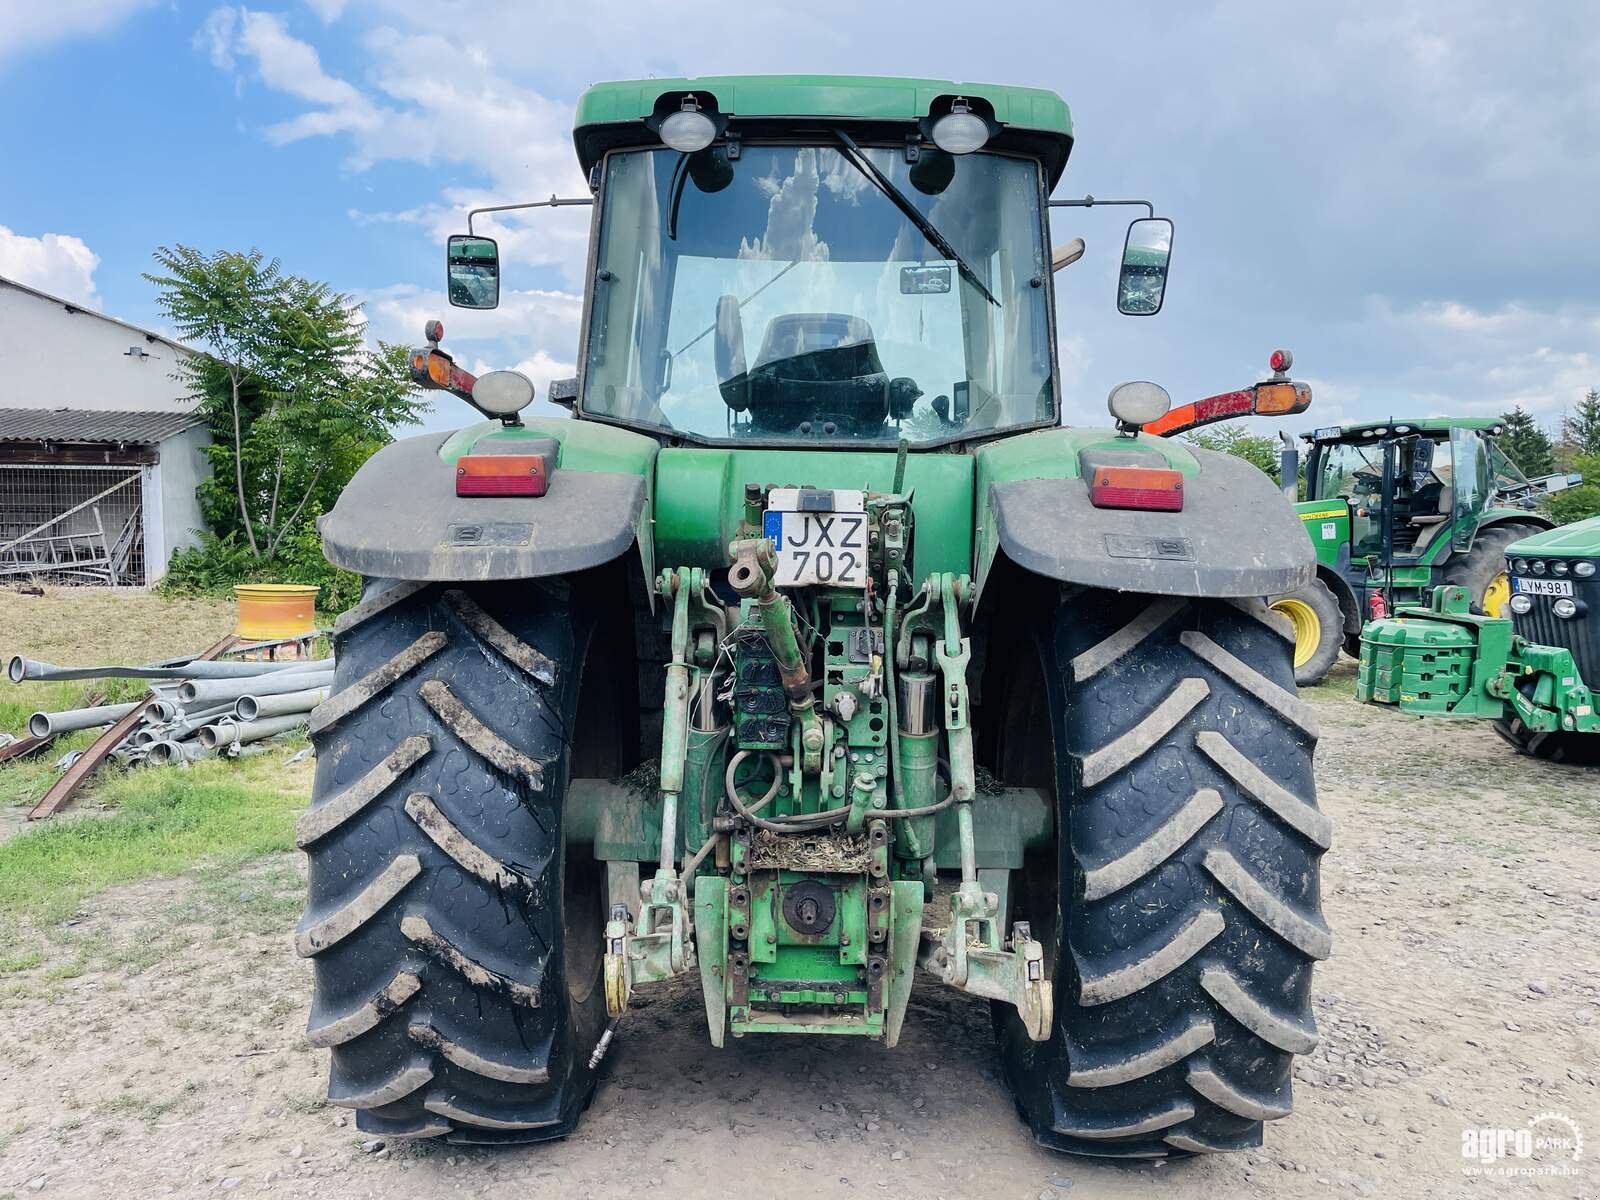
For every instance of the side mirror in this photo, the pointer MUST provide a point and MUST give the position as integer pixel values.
(472, 271)
(1143, 283)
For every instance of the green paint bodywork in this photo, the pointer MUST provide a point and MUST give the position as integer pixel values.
(846, 99)
(1327, 524)
(1446, 661)
(1578, 540)
(701, 498)
(1006, 824)
(584, 445)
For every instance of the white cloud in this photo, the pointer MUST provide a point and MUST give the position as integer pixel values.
(329, 10)
(397, 314)
(56, 263)
(27, 26)
(1453, 357)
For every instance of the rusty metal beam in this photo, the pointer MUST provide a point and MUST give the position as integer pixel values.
(63, 789)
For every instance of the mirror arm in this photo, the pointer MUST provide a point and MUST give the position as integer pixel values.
(460, 385)
(1091, 202)
(553, 202)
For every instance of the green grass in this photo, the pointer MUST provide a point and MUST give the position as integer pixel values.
(163, 822)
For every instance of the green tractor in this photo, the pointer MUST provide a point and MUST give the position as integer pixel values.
(1535, 672)
(1396, 508)
(812, 654)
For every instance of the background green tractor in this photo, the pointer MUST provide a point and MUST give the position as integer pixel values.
(812, 652)
(1534, 672)
(1395, 508)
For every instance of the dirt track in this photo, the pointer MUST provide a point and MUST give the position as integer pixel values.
(158, 1050)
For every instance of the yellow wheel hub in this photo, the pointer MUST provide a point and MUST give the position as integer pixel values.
(1497, 595)
(1307, 628)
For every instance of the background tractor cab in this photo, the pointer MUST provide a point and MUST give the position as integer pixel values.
(1394, 508)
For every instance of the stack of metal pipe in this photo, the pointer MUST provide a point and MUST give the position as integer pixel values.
(194, 708)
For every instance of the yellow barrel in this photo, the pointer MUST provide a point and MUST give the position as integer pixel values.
(268, 611)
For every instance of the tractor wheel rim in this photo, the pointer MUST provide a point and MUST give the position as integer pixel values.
(1497, 595)
(1307, 628)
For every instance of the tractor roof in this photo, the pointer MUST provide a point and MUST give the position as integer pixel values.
(1368, 429)
(613, 114)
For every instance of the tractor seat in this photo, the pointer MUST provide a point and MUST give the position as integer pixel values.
(1442, 510)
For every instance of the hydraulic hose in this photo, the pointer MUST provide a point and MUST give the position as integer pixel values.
(800, 824)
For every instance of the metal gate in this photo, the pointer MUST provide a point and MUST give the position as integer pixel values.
(71, 525)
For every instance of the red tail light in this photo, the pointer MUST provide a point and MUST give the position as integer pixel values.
(502, 475)
(1156, 489)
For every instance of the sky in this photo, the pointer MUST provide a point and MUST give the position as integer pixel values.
(1404, 194)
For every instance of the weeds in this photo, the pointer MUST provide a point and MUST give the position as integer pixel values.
(163, 822)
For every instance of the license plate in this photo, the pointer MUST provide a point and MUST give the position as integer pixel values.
(1541, 587)
(828, 549)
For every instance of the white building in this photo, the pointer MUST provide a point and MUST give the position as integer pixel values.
(100, 448)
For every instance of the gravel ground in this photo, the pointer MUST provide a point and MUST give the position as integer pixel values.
(157, 1049)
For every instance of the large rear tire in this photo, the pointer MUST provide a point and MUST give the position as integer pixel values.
(1482, 570)
(1187, 915)
(456, 942)
(1318, 623)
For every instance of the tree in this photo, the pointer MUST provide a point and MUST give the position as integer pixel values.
(295, 399)
(1581, 430)
(1577, 503)
(1259, 451)
(1525, 444)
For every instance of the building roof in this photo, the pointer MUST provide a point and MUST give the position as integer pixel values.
(73, 308)
(80, 425)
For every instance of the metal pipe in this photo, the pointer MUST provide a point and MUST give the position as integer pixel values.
(47, 724)
(215, 691)
(168, 751)
(254, 708)
(20, 669)
(236, 733)
(188, 722)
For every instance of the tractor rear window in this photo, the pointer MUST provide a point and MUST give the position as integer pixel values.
(787, 296)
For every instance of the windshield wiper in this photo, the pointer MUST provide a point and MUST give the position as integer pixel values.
(853, 154)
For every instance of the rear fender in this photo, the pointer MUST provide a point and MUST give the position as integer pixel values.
(400, 517)
(1236, 535)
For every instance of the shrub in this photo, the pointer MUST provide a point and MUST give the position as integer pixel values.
(218, 563)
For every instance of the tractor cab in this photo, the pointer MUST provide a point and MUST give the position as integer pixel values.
(760, 277)
(1395, 508)
(1439, 477)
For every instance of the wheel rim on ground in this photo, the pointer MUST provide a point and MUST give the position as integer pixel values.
(1307, 628)
(1497, 595)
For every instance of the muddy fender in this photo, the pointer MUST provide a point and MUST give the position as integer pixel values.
(400, 518)
(1236, 535)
